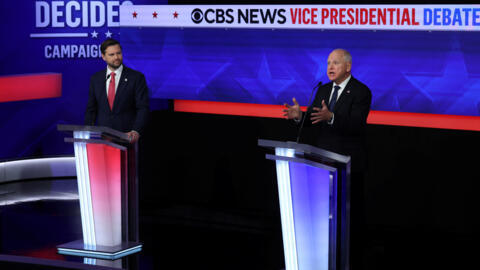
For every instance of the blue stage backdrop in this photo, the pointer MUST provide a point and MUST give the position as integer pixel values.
(31, 45)
(407, 71)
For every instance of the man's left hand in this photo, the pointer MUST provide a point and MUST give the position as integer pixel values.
(321, 114)
(133, 136)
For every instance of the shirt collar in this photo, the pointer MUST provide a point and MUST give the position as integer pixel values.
(344, 83)
(118, 71)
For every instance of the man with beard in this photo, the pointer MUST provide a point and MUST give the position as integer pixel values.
(118, 96)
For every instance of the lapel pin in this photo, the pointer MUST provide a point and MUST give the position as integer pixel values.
(126, 79)
(348, 91)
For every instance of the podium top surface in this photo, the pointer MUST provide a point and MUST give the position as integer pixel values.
(306, 149)
(96, 130)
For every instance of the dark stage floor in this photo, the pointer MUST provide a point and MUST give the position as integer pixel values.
(208, 200)
(38, 215)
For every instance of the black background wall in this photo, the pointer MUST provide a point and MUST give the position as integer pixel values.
(207, 183)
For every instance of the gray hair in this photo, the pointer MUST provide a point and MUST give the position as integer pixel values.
(346, 55)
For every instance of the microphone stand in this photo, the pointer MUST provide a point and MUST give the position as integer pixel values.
(305, 116)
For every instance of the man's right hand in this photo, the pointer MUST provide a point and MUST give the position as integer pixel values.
(292, 111)
(133, 136)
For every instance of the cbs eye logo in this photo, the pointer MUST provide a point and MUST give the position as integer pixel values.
(197, 15)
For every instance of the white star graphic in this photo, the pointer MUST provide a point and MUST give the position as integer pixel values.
(94, 34)
(108, 34)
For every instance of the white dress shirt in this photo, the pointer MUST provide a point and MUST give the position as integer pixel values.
(118, 74)
(340, 91)
(342, 86)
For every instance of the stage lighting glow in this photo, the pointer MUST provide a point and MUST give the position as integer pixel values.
(286, 210)
(84, 192)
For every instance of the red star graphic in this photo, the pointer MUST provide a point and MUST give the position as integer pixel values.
(135, 14)
(175, 15)
(154, 14)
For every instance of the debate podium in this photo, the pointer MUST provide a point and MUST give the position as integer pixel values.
(314, 197)
(108, 193)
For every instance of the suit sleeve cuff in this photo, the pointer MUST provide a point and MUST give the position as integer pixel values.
(331, 120)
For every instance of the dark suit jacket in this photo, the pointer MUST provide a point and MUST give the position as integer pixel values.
(346, 134)
(130, 107)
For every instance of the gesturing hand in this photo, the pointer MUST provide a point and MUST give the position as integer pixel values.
(321, 114)
(292, 111)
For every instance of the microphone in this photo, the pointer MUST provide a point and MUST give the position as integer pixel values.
(108, 77)
(305, 116)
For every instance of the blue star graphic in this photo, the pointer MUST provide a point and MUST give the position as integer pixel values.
(193, 74)
(264, 88)
(320, 58)
(192, 78)
(452, 91)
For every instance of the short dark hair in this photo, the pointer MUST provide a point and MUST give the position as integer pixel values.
(107, 43)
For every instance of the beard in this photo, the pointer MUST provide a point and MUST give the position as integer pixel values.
(115, 64)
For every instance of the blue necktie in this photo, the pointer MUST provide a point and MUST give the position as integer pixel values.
(331, 106)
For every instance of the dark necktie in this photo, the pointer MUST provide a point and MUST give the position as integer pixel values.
(331, 106)
(111, 90)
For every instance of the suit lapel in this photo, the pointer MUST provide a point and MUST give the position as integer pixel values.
(326, 94)
(121, 86)
(344, 96)
(103, 88)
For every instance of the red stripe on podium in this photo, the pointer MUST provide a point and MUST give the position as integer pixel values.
(457, 122)
(30, 86)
